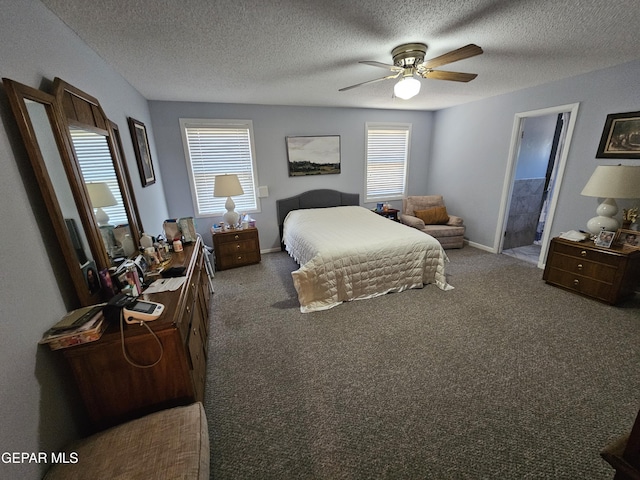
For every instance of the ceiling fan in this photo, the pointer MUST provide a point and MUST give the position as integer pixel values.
(408, 61)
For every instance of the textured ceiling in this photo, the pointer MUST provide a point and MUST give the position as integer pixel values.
(300, 52)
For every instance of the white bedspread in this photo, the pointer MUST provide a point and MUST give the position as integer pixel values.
(351, 253)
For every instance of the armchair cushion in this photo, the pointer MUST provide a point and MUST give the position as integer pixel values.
(433, 215)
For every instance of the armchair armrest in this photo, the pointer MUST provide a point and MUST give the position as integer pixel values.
(411, 221)
(455, 221)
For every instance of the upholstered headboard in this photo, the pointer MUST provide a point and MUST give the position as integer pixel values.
(313, 199)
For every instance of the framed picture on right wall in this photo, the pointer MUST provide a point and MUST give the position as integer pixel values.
(621, 136)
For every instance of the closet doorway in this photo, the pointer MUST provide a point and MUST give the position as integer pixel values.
(538, 153)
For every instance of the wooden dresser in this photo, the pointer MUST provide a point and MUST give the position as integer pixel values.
(115, 391)
(607, 274)
(236, 248)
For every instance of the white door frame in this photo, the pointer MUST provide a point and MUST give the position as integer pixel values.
(507, 188)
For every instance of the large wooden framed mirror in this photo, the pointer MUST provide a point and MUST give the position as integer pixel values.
(73, 147)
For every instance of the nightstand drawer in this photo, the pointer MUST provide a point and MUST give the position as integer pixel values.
(240, 259)
(581, 284)
(237, 236)
(580, 266)
(587, 254)
(232, 248)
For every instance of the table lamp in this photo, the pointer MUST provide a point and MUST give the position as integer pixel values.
(611, 182)
(101, 196)
(228, 186)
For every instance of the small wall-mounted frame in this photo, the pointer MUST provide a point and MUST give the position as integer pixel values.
(143, 154)
(628, 238)
(313, 155)
(621, 136)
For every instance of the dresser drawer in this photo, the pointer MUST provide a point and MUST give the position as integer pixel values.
(240, 235)
(239, 246)
(580, 284)
(581, 266)
(587, 254)
(239, 259)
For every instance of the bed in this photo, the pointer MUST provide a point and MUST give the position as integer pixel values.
(347, 252)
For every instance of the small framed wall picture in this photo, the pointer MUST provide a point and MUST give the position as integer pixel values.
(605, 238)
(621, 136)
(628, 238)
(143, 154)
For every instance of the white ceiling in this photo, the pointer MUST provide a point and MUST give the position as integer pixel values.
(300, 52)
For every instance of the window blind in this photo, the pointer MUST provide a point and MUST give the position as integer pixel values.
(96, 165)
(387, 158)
(216, 148)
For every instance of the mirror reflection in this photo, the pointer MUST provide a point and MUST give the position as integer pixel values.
(98, 172)
(51, 156)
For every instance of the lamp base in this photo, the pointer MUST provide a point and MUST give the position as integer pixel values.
(231, 217)
(604, 221)
(599, 223)
(101, 217)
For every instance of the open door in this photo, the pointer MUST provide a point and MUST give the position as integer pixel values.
(545, 185)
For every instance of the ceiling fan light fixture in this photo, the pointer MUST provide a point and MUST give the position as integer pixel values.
(407, 88)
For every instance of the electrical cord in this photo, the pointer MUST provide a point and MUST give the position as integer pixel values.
(124, 350)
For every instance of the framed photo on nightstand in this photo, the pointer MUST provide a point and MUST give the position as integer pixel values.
(604, 238)
(628, 238)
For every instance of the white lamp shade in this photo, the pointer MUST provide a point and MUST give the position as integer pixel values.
(614, 181)
(100, 195)
(407, 88)
(227, 186)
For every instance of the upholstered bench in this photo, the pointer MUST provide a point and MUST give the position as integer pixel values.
(170, 444)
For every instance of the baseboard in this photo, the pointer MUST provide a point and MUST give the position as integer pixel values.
(270, 250)
(480, 246)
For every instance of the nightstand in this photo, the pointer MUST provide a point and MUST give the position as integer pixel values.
(610, 275)
(391, 213)
(236, 248)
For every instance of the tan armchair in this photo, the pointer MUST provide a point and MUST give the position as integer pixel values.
(447, 229)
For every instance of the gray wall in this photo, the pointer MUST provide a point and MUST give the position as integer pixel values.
(38, 402)
(471, 148)
(271, 125)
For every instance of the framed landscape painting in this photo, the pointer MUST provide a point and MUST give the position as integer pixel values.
(621, 136)
(313, 155)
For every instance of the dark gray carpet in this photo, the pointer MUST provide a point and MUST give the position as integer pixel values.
(504, 377)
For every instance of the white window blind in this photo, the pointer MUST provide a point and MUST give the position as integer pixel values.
(217, 147)
(96, 165)
(387, 159)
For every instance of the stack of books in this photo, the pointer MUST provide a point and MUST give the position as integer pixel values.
(86, 324)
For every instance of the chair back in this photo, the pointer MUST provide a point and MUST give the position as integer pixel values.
(417, 202)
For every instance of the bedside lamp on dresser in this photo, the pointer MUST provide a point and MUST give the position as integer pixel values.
(611, 182)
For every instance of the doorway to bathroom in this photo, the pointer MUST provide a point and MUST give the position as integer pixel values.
(538, 155)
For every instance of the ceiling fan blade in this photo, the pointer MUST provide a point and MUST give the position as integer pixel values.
(461, 53)
(453, 76)
(388, 77)
(373, 63)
